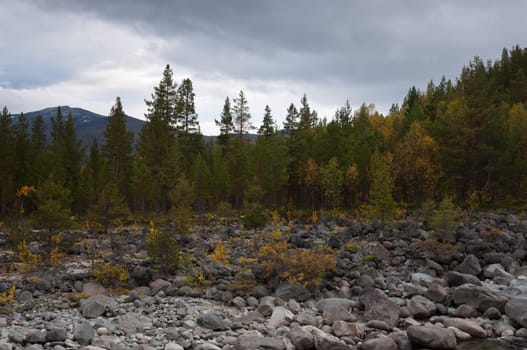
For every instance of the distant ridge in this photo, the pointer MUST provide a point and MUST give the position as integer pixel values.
(88, 125)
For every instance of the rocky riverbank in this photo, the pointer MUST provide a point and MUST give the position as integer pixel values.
(397, 288)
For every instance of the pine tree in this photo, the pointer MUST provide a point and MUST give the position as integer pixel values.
(291, 121)
(117, 149)
(308, 118)
(163, 103)
(73, 153)
(22, 151)
(344, 115)
(186, 116)
(225, 123)
(242, 117)
(39, 151)
(53, 206)
(7, 189)
(268, 125)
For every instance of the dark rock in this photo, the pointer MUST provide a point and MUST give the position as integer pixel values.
(436, 292)
(377, 306)
(212, 321)
(378, 324)
(257, 342)
(466, 311)
(35, 337)
(455, 279)
(301, 339)
(516, 308)
(470, 266)
(492, 314)
(402, 340)
(336, 309)
(141, 275)
(83, 333)
(381, 343)
(56, 334)
(325, 341)
(421, 307)
(158, 285)
(293, 291)
(479, 297)
(432, 337)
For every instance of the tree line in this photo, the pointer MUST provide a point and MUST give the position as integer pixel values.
(465, 140)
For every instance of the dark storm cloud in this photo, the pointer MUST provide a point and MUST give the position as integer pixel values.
(367, 51)
(360, 42)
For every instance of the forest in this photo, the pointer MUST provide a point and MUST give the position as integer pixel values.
(465, 140)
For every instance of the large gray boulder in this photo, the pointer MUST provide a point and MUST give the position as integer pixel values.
(97, 305)
(325, 341)
(336, 309)
(479, 297)
(455, 279)
(516, 309)
(421, 307)
(293, 291)
(432, 337)
(301, 338)
(470, 265)
(212, 321)
(83, 333)
(377, 306)
(280, 317)
(468, 326)
(255, 341)
(381, 343)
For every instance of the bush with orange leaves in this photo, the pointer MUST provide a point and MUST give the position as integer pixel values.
(295, 265)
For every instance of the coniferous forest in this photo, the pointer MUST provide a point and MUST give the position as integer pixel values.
(464, 139)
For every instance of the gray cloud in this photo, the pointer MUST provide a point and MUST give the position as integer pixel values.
(370, 51)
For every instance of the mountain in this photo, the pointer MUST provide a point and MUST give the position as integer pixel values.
(88, 125)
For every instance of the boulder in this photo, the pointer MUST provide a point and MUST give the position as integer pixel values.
(95, 306)
(280, 317)
(325, 341)
(293, 291)
(436, 292)
(377, 306)
(381, 343)
(422, 279)
(91, 289)
(516, 308)
(212, 321)
(35, 337)
(301, 338)
(468, 326)
(56, 334)
(470, 265)
(158, 285)
(432, 337)
(266, 306)
(348, 329)
(336, 309)
(455, 279)
(421, 307)
(479, 297)
(83, 333)
(497, 270)
(255, 341)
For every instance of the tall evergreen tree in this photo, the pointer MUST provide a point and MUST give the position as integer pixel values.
(291, 120)
(39, 151)
(163, 103)
(22, 164)
(242, 117)
(268, 125)
(7, 190)
(225, 123)
(308, 118)
(73, 153)
(186, 116)
(117, 149)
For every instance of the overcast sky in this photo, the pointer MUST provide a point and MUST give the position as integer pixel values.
(85, 53)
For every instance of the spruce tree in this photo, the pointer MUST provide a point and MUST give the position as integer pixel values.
(242, 117)
(186, 116)
(117, 149)
(268, 125)
(291, 121)
(308, 118)
(225, 123)
(22, 151)
(7, 190)
(163, 103)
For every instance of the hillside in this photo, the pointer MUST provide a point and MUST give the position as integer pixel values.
(88, 125)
